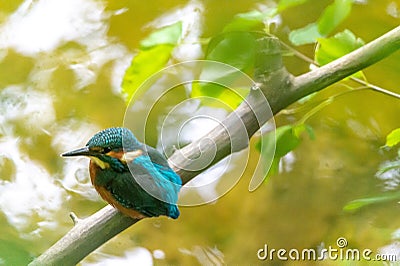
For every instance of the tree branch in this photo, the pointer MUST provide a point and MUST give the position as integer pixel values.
(281, 90)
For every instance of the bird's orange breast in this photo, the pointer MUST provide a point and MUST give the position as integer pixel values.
(108, 197)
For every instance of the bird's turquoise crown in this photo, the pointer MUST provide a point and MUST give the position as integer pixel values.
(114, 138)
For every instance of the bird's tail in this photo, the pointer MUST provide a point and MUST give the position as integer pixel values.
(173, 212)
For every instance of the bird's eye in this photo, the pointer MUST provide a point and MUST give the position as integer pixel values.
(107, 149)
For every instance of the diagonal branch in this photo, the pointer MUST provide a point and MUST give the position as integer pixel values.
(281, 90)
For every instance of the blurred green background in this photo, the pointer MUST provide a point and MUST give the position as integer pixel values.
(61, 66)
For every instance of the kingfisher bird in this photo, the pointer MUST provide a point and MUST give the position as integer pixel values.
(131, 176)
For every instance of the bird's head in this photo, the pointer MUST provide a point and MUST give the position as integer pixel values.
(111, 147)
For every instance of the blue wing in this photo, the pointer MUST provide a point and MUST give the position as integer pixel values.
(161, 164)
(152, 173)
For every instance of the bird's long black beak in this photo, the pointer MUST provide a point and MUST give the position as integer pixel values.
(79, 152)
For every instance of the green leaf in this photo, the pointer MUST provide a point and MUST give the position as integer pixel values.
(305, 35)
(359, 203)
(285, 141)
(393, 138)
(166, 35)
(333, 15)
(287, 138)
(13, 254)
(354, 205)
(285, 4)
(274, 169)
(250, 21)
(267, 146)
(330, 49)
(228, 98)
(143, 65)
(155, 51)
(236, 49)
(299, 129)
